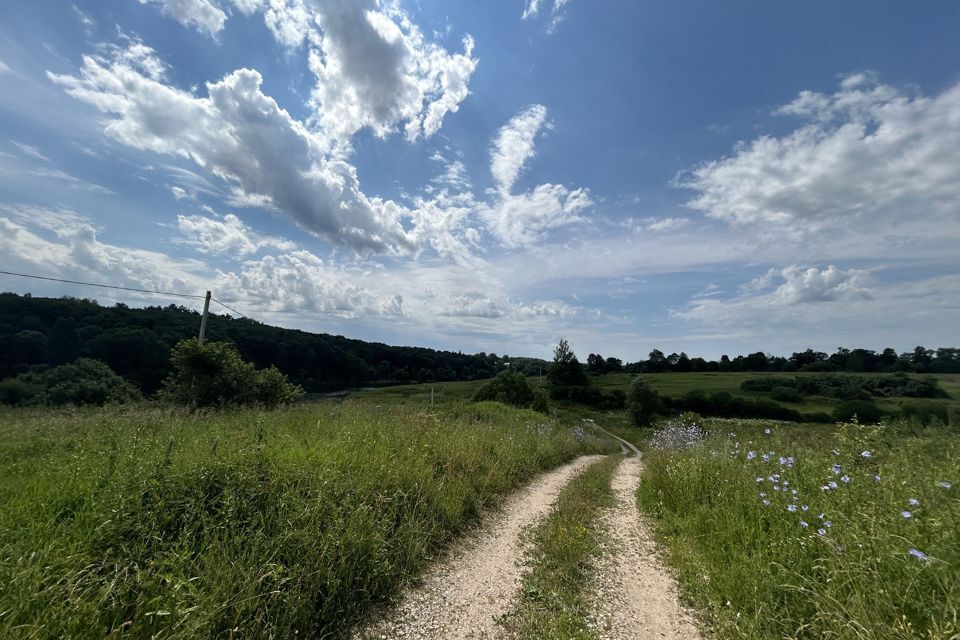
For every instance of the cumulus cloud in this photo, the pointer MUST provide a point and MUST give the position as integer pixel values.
(864, 155)
(203, 15)
(481, 305)
(514, 145)
(375, 69)
(782, 292)
(300, 281)
(242, 136)
(523, 219)
(226, 235)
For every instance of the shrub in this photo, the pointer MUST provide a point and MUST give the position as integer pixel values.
(513, 389)
(785, 394)
(865, 412)
(214, 375)
(84, 382)
(925, 412)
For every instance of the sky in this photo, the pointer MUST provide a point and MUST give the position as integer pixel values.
(492, 176)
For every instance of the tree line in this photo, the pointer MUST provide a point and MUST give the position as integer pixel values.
(919, 360)
(38, 333)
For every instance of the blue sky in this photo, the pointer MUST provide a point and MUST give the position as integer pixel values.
(698, 176)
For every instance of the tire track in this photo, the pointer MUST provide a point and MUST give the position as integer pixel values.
(477, 583)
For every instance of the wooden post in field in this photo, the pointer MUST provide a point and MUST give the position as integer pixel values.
(431, 395)
(203, 320)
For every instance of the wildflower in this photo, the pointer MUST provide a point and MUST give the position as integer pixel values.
(822, 516)
(846, 479)
(906, 514)
(832, 484)
(805, 507)
(824, 488)
(944, 485)
(782, 461)
(766, 431)
(866, 454)
(828, 523)
(919, 555)
(763, 494)
(765, 457)
(759, 479)
(804, 524)
(751, 455)
(793, 492)
(766, 503)
(792, 508)
(822, 531)
(836, 468)
(791, 461)
(776, 487)
(914, 502)
(876, 478)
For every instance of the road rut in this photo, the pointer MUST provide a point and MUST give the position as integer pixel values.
(478, 582)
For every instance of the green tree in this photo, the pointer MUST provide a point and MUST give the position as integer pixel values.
(63, 343)
(566, 370)
(214, 375)
(643, 403)
(84, 381)
(512, 388)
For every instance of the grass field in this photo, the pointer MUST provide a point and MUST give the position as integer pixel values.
(811, 533)
(144, 523)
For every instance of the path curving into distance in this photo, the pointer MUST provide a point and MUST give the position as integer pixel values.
(478, 582)
(636, 598)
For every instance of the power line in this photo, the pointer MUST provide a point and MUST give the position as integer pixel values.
(230, 308)
(104, 286)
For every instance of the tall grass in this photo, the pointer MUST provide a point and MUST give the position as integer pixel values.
(146, 523)
(781, 535)
(555, 602)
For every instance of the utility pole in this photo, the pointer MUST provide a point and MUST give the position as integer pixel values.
(203, 320)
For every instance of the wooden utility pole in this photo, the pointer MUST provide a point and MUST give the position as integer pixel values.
(203, 320)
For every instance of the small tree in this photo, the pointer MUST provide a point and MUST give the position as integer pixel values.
(643, 402)
(214, 375)
(566, 370)
(84, 381)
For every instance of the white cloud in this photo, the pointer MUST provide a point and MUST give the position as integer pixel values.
(301, 282)
(203, 15)
(374, 69)
(179, 193)
(514, 146)
(792, 308)
(481, 305)
(30, 151)
(4, 68)
(226, 235)
(242, 136)
(73, 181)
(532, 10)
(522, 220)
(864, 156)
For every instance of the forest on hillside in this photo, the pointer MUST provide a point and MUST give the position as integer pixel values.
(36, 333)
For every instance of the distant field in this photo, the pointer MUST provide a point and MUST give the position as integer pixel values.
(674, 385)
(146, 523)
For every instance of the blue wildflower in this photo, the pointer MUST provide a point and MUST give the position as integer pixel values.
(804, 524)
(944, 485)
(919, 555)
(846, 479)
(751, 455)
(822, 531)
(866, 454)
(832, 484)
(828, 523)
(805, 507)
(914, 502)
(759, 479)
(906, 514)
(876, 477)
(766, 503)
(792, 508)
(837, 468)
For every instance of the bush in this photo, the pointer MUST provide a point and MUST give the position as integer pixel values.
(785, 394)
(214, 375)
(513, 389)
(643, 403)
(925, 412)
(84, 382)
(590, 396)
(865, 412)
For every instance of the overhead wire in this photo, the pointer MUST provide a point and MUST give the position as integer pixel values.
(119, 288)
